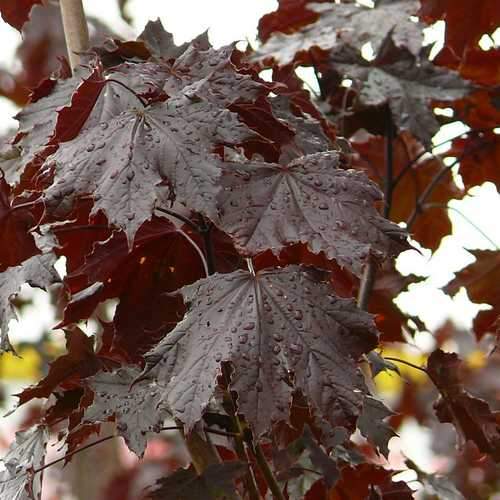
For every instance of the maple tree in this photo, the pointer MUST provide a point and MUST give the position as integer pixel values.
(248, 230)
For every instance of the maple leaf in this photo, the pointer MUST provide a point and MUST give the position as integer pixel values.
(350, 24)
(216, 482)
(390, 320)
(55, 117)
(67, 370)
(405, 82)
(369, 481)
(162, 260)
(464, 26)
(372, 426)
(274, 342)
(125, 151)
(436, 484)
(161, 43)
(16, 14)
(480, 157)
(480, 280)
(15, 223)
(213, 78)
(301, 456)
(37, 271)
(138, 411)
(26, 455)
(290, 16)
(433, 224)
(471, 416)
(328, 208)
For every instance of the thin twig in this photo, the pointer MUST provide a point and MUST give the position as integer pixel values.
(221, 433)
(397, 360)
(427, 192)
(239, 443)
(75, 30)
(389, 167)
(83, 227)
(366, 285)
(71, 453)
(477, 228)
(412, 162)
(370, 271)
(268, 473)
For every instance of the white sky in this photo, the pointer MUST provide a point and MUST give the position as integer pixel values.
(229, 20)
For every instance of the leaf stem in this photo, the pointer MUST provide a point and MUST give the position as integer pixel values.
(209, 248)
(182, 218)
(139, 98)
(198, 250)
(366, 285)
(402, 361)
(427, 192)
(239, 443)
(74, 452)
(268, 473)
(76, 32)
(412, 162)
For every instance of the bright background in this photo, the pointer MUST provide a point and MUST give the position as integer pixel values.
(230, 20)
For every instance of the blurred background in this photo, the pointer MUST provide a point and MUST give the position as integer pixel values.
(446, 321)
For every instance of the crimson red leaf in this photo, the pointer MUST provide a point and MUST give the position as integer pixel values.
(464, 26)
(471, 416)
(275, 342)
(345, 24)
(161, 261)
(79, 362)
(15, 224)
(481, 282)
(18, 12)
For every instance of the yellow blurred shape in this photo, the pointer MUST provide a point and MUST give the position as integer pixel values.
(476, 360)
(25, 367)
(390, 383)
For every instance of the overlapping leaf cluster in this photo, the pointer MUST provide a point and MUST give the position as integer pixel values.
(233, 228)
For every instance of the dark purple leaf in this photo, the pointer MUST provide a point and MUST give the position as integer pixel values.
(348, 24)
(125, 150)
(161, 43)
(372, 424)
(37, 271)
(216, 482)
(310, 200)
(407, 83)
(281, 330)
(25, 455)
(136, 409)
